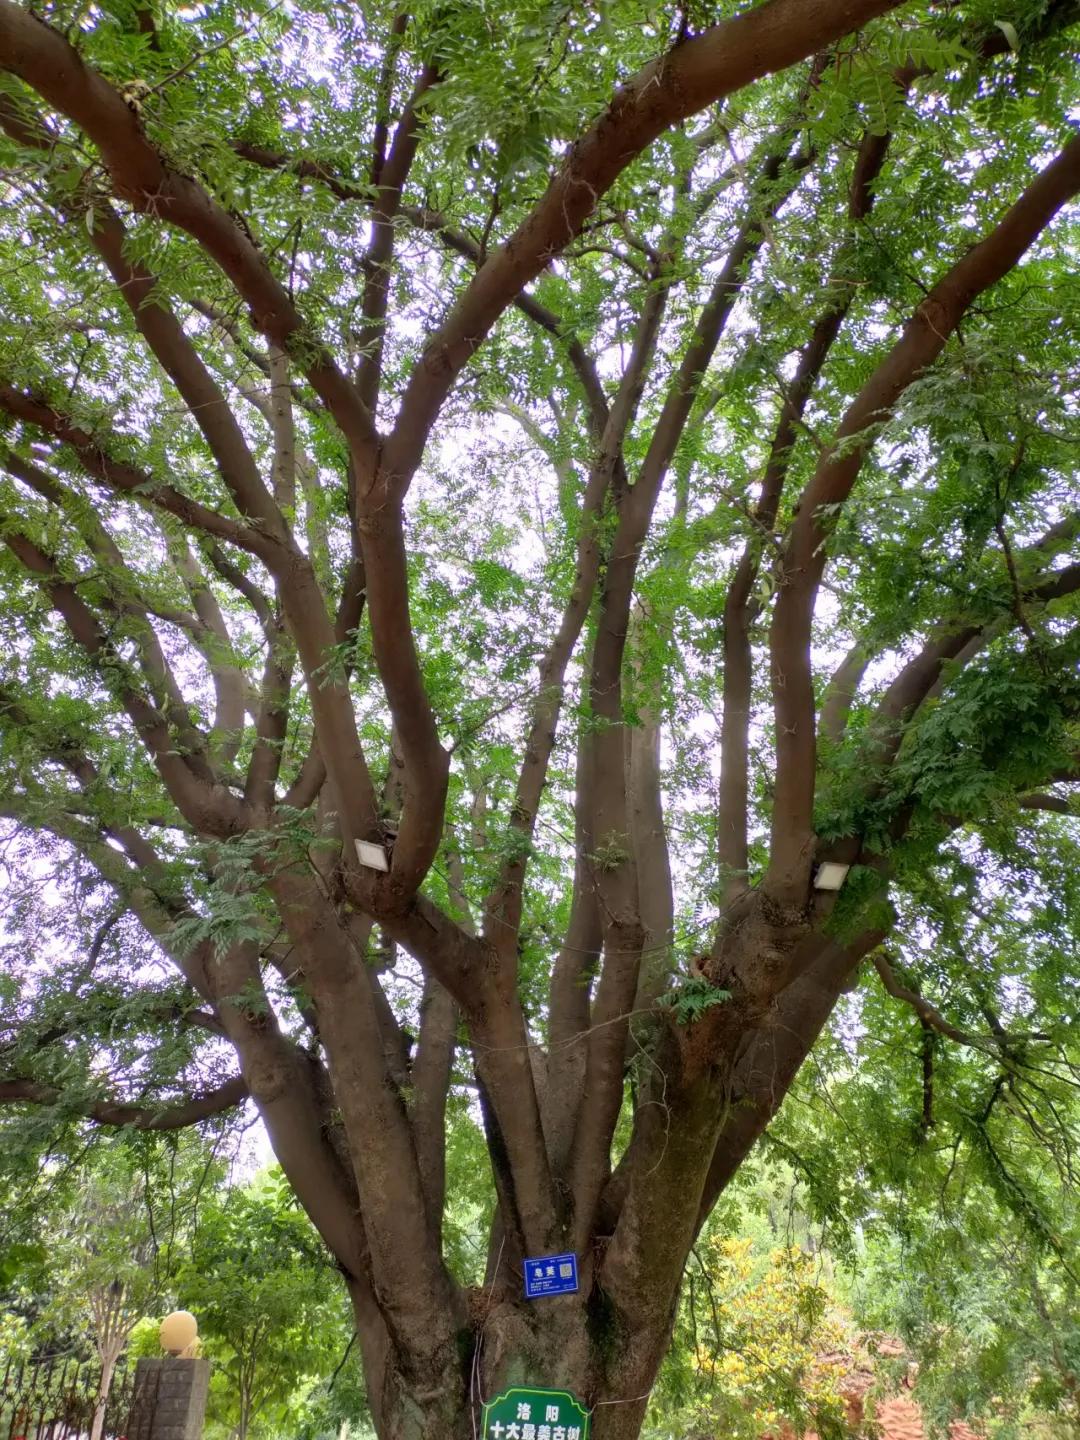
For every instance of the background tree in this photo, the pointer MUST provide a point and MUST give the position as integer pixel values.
(503, 513)
(90, 1251)
(103, 1277)
(765, 1345)
(270, 1316)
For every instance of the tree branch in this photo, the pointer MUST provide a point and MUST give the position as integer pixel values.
(933, 1017)
(205, 803)
(392, 174)
(126, 478)
(1055, 804)
(503, 908)
(412, 1285)
(740, 611)
(615, 874)
(49, 64)
(583, 365)
(924, 337)
(206, 626)
(688, 78)
(841, 691)
(169, 1115)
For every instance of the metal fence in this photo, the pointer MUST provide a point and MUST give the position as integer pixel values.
(55, 1399)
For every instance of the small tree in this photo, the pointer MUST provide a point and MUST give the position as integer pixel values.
(102, 1270)
(99, 1241)
(268, 1303)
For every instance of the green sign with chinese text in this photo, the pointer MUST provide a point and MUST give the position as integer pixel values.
(523, 1414)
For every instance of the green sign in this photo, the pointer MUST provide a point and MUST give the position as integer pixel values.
(521, 1414)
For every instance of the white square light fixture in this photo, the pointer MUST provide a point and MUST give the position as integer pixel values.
(830, 875)
(373, 856)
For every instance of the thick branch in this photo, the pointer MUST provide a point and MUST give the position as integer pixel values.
(765, 1071)
(381, 537)
(1054, 804)
(923, 675)
(49, 64)
(294, 1099)
(409, 1278)
(571, 977)
(230, 684)
(431, 1074)
(181, 362)
(687, 79)
(271, 723)
(616, 875)
(840, 693)
(582, 363)
(740, 610)
(923, 340)
(170, 1115)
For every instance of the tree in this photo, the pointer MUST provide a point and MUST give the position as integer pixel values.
(103, 1271)
(105, 1241)
(255, 1275)
(759, 1334)
(432, 437)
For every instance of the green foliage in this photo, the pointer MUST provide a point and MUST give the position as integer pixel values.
(271, 1310)
(691, 997)
(92, 1243)
(761, 1338)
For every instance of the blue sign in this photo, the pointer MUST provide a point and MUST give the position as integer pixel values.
(550, 1275)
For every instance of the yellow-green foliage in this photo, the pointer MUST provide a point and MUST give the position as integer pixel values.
(780, 1348)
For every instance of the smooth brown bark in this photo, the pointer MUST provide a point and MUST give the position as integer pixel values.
(923, 340)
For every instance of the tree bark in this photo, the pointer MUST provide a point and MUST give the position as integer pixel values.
(97, 1424)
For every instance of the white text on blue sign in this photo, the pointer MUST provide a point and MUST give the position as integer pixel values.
(550, 1275)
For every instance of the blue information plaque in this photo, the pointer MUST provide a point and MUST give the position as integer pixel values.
(550, 1275)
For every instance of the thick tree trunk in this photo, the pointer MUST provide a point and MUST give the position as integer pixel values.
(606, 1344)
(567, 1343)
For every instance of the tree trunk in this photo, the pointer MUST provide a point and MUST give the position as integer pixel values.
(606, 1343)
(97, 1425)
(244, 1418)
(570, 1343)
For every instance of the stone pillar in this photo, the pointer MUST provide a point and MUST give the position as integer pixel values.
(170, 1399)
